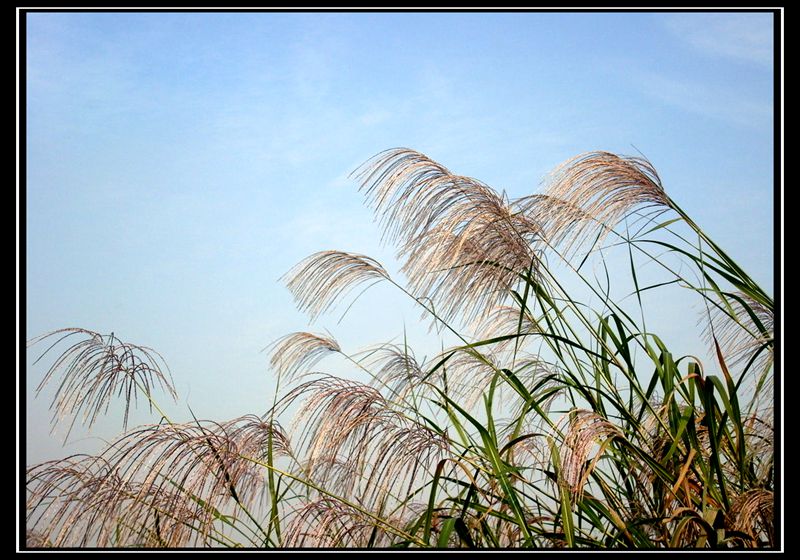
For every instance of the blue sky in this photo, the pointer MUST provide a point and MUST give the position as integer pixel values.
(179, 164)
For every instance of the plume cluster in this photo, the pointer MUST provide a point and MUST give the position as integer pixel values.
(356, 444)
(592, 192)
(463, 243)
(82, 501)
(328, 523)
(135, 494)
(397, 369)
(752, 513)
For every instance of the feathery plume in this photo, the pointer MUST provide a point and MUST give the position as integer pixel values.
(326, 523)
(463, 243)
(507, 320)
(402, 455)
(590, 193)
(586, 429)
(396, 368)
(744, 331)
(94, 369)
(319, 280)
(300, 350)
(338, 418)
(82, 501)
(760, 437)
(206, 459)
(469, 374)
(357, 445)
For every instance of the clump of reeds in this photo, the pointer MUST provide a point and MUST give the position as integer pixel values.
(552, 422)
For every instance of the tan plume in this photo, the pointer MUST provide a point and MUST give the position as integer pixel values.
(319, 280)
(464, 244)
(586, 429)
(300, 350)
(95, 369)
(589, 194)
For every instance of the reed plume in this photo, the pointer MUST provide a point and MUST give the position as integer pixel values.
(588, 195)
(752, 513)
(93, 370)
(744, 329)
(397, 368)
(586, 430)
(298, 351)
(320, 279)
(463, 244)
(327, 523)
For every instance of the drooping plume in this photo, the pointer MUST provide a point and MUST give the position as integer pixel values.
(145, 489)
(589, 194)
(326, 523)
(752, 513)
(319, 280)
(82, 501)
(297, 351)
(356, 444)
(97, 368)
(463, 243)
(396, 368)
(744, 331)
(586, 429)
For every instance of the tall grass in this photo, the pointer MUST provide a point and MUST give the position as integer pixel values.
(551, 422)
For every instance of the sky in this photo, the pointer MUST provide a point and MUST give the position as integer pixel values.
(179, 164)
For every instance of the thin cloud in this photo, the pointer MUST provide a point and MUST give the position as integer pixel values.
(743, 37)
(713, 102)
